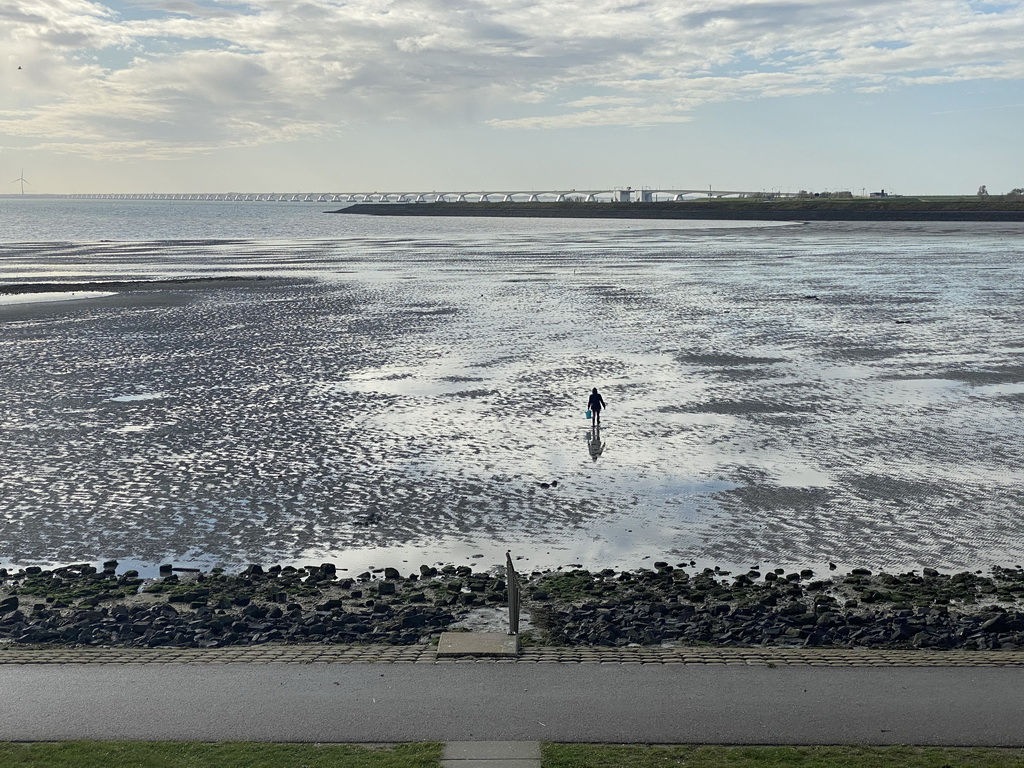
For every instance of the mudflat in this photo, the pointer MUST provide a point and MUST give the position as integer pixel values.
(790, 395)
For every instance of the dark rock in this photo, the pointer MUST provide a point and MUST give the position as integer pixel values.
(330, 605)
(997, 623)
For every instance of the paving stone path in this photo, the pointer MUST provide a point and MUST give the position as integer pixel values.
(424, 654)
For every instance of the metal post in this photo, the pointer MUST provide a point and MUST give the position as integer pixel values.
(513, 595)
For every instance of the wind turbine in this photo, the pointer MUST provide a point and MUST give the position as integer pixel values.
(23, 181)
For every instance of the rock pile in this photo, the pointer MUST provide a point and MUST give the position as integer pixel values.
(81, 604)
(928, 610)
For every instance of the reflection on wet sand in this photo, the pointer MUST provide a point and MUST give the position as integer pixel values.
(413, 403)
(594, 443)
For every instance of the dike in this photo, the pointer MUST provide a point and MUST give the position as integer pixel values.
(890, 209)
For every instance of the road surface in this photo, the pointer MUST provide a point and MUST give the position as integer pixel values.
(515, 702)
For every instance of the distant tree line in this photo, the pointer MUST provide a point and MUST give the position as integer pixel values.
(1016, 192)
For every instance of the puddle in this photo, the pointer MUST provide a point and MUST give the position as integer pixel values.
(15, 299)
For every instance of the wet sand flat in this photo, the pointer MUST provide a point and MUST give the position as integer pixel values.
(788, 395)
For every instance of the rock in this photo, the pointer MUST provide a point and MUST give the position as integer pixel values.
(9, 604)
(815, 639)
(254, 611)
(392, 574)
(997, 623)
(386, 588)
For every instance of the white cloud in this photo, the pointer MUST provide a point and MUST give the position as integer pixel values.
(156, 77)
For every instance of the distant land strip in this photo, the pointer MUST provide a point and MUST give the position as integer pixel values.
(891, 209)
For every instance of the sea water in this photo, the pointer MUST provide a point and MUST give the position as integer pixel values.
(387, 391)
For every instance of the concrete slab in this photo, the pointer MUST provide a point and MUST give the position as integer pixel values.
(483, 644)
(492, 750)
(499, 763)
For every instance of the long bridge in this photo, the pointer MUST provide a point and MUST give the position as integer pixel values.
(622, 195)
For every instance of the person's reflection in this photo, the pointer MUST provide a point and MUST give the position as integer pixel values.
(594, 443)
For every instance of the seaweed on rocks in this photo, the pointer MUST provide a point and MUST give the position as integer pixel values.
(83, 605)
(860, 609)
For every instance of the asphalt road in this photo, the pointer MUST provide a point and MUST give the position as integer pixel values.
(518, 702)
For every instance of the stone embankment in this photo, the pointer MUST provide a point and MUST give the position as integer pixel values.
(83, 605)
(996, 209)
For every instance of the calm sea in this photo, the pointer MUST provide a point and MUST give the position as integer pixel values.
(406, 390)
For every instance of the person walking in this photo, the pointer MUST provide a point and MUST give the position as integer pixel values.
(594, 405)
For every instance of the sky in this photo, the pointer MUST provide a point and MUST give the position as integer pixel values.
(911, 96)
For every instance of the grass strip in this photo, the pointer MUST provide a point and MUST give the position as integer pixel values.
(694, 756)
(167, 754)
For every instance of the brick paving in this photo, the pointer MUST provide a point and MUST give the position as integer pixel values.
(427, 654)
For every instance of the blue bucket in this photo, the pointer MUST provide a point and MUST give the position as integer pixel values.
(590, 414)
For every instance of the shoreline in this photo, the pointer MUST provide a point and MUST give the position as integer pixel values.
(82, 606)
(889, 209)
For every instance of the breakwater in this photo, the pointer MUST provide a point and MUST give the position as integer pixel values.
(88, 606)
(892, 209)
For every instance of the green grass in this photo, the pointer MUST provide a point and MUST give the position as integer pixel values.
(162, 754)
(122, 754)
(629, 756)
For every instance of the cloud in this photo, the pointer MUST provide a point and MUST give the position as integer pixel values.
(155, 77)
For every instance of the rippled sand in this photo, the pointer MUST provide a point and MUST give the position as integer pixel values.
(788, 395)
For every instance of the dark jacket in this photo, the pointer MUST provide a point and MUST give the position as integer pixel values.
(596, 402)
